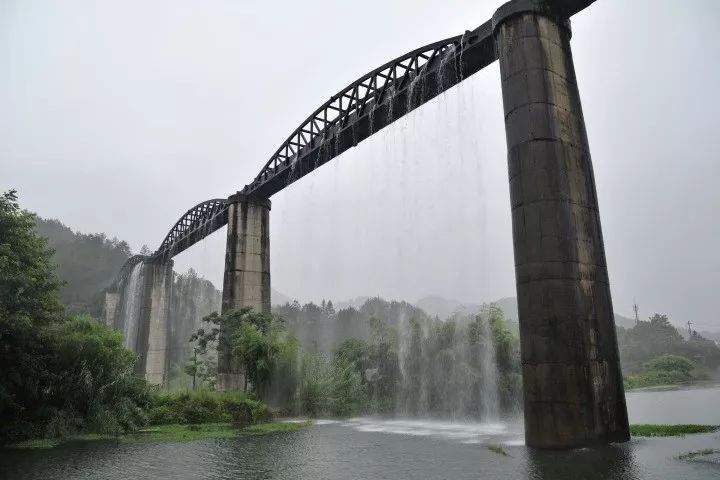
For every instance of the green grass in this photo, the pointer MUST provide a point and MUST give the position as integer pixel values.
(274, 427)
(647, 430)
(38, 443)
(181, 433)
(173, 433)
(497, 448)
(698, 453)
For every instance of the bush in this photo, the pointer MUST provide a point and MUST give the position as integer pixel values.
(663, 370)
(670, 363)
(206, 406)
(82, 380)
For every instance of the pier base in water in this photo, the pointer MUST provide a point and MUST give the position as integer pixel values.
(573, 390)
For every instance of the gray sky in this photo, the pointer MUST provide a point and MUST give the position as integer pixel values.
(119, 116)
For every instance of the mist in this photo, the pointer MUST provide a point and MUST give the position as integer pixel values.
(119, 117)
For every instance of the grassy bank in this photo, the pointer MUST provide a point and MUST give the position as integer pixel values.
(173, 433)
(664, 371)
(647, 430)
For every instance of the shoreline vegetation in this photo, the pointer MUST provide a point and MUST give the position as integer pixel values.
(173, 433)
(182, 433)
(663, 387)
(652, 430)
(65, 375)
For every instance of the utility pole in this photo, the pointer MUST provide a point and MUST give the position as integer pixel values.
(635, 308)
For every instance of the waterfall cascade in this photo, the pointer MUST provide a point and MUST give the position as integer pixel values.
(448, 369)
(463, 368)
(132, 295)
(193, 298)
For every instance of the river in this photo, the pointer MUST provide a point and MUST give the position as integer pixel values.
(367, 448)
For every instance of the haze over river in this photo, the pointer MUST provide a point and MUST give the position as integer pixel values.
(369, 448)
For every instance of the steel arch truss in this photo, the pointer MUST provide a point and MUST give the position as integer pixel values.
(196, 224)
(125, 271)
(358, 111)
(372, 102)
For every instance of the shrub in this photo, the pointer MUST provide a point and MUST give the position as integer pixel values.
(670, 363)
(206, 406)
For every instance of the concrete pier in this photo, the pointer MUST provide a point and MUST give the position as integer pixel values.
(153, 329)
(110, 309)
(247, 272)
(571, 372)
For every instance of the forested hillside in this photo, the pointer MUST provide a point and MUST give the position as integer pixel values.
(86, 263)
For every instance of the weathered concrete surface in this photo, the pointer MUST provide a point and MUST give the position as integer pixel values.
(154, 317)
(111, 308)
(572, 380)
(247, 271)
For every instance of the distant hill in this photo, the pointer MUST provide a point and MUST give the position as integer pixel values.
(356, 303)
(87, 263)
(277, 298)
(623, 321)
(443, 308)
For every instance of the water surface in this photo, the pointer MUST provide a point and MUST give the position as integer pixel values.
(370, 448)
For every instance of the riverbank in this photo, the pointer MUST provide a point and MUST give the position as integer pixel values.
(649, 430)
(190, 433)
(173, 433)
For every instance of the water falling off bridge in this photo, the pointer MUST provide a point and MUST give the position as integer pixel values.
(573, 392)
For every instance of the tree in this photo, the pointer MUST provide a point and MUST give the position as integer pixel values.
(201, 368)
(329, 309)
(91, 378)
(257, 341)
(670, 363)
(192, 368)
(28, 285)
(657, 337)
(28, 301)
(57, 375)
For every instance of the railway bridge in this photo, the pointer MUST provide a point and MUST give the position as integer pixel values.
(573, 390)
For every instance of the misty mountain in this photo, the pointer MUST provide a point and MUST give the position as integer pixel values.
(278, 298)
(443, 308)
(87, 263)
(356, 303)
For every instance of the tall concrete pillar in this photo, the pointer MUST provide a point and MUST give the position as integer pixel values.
(573, 390)
(110, 310)
(247, 272)
(153, 329)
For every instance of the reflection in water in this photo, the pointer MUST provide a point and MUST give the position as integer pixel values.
(612, 462)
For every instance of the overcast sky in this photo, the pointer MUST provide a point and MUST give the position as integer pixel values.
(118, 116)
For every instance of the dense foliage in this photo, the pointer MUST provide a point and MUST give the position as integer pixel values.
(664, 370)
(57, 375)
(206, 406)
(383, 358)
(654, 352)
(260, 347)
